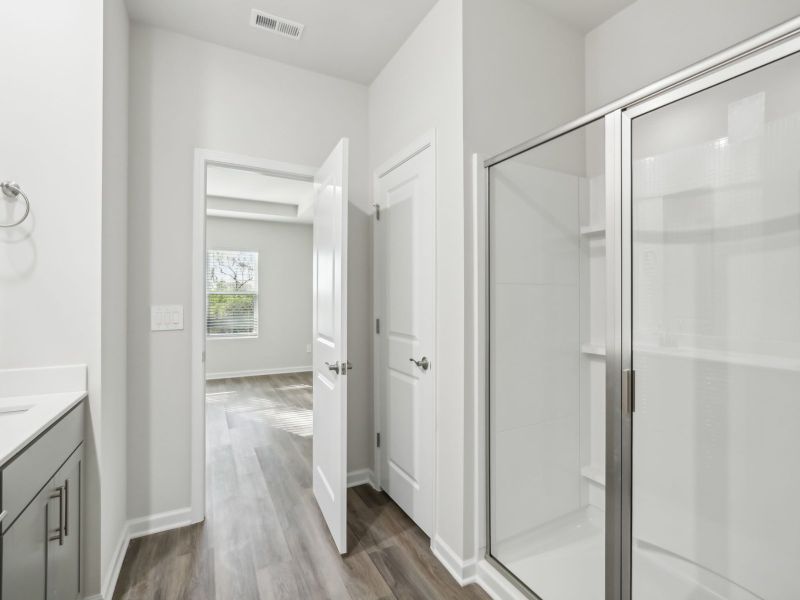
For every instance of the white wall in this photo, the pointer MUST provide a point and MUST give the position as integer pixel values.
(652, 38)
(187, 94)
(284, 298)
(523, 74)
(51, 143)
(421, 89)
(113, 464)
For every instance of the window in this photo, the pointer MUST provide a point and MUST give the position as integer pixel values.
(231, 293)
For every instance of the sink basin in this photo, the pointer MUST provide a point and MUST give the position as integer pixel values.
(14, 410)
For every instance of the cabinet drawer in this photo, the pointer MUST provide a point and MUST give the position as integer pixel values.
(32, 468)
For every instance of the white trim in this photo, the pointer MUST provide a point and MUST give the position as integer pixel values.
(156, 523)
(135, 528)
(258, 372)
(203, 158)
(361, 477)
(480, 205)
(463, 571)
(428, 140)
(110, 580)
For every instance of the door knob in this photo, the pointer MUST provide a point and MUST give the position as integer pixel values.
(333, 367)
(423, 363)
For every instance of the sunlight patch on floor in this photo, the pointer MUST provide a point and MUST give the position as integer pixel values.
(292, 419)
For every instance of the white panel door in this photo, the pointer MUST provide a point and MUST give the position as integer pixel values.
(329, 461)
(405, 284)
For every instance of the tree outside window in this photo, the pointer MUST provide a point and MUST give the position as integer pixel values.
(231, 293)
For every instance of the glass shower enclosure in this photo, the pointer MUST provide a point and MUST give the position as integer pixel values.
(643, 386)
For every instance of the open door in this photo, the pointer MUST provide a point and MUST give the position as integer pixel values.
(330, 343)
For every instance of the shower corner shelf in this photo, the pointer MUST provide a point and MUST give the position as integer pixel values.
(594, 474)
(593, 350)
(593, 230)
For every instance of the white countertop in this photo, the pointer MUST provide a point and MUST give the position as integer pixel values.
(40, 398)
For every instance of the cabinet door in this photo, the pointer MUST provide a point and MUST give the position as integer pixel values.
(63, 556)
(25, 550)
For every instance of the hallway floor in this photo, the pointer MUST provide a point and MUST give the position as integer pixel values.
(264, 537)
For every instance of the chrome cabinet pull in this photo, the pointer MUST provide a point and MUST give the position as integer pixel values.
(66, 507)
(58, 493)
(423, 363)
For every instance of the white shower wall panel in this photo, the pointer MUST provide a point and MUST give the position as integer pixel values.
(535, 341)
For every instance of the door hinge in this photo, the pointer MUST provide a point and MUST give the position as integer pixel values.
(377, 325)
(378, 440)
(377, 211)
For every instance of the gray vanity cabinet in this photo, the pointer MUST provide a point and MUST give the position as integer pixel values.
(25, 552)
(63, 516)
(41, 530)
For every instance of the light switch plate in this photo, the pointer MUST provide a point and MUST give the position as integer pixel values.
(166, 317)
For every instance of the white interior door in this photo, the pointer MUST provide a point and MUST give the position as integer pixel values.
(405, 297)
(330, 343)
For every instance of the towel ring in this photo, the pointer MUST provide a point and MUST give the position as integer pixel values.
(12, 190)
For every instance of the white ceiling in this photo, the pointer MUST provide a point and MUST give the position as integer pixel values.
(583, 15)
(253, 185)
(349, 39)
(244, 194)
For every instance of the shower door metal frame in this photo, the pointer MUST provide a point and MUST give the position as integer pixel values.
(756, 52)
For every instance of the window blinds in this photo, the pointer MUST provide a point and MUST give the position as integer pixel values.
(231, 293)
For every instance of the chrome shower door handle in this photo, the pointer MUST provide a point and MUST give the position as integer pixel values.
(334, 367)
(423, 363)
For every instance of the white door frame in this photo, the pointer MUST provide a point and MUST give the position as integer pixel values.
(423, 143)
(203, 158)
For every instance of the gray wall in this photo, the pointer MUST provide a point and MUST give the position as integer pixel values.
(284, 298)
(52, 145)
(188, 94)
(652, 38)
(113, 450)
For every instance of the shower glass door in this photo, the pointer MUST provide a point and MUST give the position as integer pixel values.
(715, 211)
(547, 367)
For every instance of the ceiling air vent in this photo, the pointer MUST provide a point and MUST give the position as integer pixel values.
(278, 25)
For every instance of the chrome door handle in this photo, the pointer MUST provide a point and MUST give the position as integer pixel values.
(3, 515)
(423, 363)
(333, 367)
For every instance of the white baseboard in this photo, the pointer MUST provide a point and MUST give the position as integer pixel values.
(258, 372)
(362, 476)
(159, 522)
(110, 580)
(135, 528)
(464, 571)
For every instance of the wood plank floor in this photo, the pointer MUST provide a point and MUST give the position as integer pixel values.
(264, 537)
